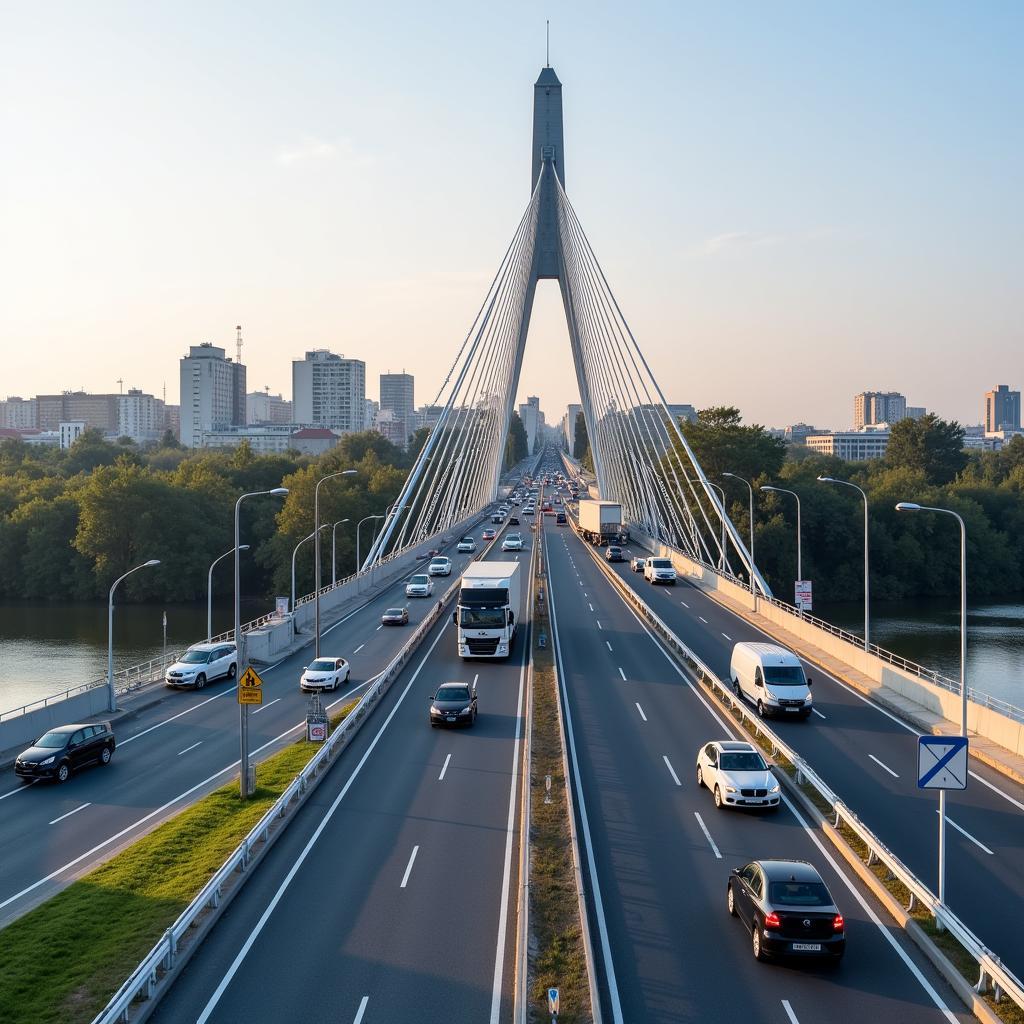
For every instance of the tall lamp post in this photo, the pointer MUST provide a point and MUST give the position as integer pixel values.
(721, 555)
(316, 557)
(111, 701)
(243, 709)
(867, 568)
(209, 589)
(910, 506)
(753, 591)
(295, 551)
(359, 526)
(799, 559)
(334, 550)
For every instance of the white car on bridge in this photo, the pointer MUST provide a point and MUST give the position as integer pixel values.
(513, 542)
(202, 664)
(660, 570)
(420, 585)
(737, 775)
(440, 565)
(325, 674)
(466, 546)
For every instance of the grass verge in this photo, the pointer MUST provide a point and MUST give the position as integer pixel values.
(557, 957)
(61, 962)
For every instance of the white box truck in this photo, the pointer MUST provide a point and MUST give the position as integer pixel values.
(600, 521)
(488, 609)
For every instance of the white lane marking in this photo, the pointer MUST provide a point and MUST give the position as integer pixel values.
(817, 712)
(201, 704)
(447, 760)
(608, 644)
(672, 771)
(707, 835)
(599, 626)
(408, 867)
(361, 1010)
(20, 789)
(263, 707)
(590, 606)
(684, 604)
(727, 637)
(187, 749)
(994, 788)
(584, 593)
(702, 619)
(300, 860)
(380, 626)
(75, 811)
(959, 829)
(641, 710)
(361, 646)
(475, 678)
(881, 764)
(789, 1012)
(623, 674)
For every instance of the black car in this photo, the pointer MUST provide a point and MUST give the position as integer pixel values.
(513, 520)
(788, 910)
(64, 750)
(614, 554)
(453, 704)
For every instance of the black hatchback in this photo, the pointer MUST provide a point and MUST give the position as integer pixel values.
(64, 750)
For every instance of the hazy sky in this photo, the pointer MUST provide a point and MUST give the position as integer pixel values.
(792, 201)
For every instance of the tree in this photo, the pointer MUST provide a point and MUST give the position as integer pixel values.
(581, 442)
(516, 444)
(930, 446)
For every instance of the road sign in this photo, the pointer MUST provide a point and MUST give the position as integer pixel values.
(250, 677)
(553, 1001)
(250, 695)
(803, 590)
(316, 732)
(942, 762)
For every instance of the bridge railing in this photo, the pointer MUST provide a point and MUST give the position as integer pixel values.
(992, 973)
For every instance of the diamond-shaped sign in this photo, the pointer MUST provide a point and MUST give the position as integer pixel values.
(250, 677)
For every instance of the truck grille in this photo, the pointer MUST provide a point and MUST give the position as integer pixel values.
(482, 645)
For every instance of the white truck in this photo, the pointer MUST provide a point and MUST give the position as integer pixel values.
(600, 521)
(487, 610)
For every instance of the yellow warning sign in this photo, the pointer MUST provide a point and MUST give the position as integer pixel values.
(249, 678)
(250, 695)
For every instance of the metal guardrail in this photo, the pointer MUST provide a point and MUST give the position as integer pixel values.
(991, 970)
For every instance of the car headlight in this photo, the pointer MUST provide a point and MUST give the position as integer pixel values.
(49, 760)
(465, 711)
(730, 789)
(774, 789)
(435, 710)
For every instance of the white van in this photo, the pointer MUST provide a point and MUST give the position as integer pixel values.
(772, 679)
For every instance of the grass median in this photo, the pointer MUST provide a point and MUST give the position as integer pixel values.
(61, 962)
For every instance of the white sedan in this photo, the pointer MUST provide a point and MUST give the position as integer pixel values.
(325, 674)
(440, 565)
(420, 585)
(737, 775)
(513, 542)
(467, 545)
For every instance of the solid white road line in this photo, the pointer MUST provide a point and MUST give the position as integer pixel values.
(727, 637)
(621, 673)
(83, 807)
(361, 1010)
(447, 760)
(408, 867)
(789, 1012)
(641, 710)
(817, 712)
(702, 619)
(360, 647)
(959, 829)
(883, 765)
(707, 835)
(187, 749)
(263, 707)
(672, 771)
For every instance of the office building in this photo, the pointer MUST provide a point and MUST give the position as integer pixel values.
(97, 412)
(70, 433)
(916, 412)
(1002, 409)
(390, 426)
(798, 433)
(19, 413)
(397, 396)
(873, 407)
(569, 425)
(372, 407)
(852, 445)
(263, 407)
(212, 393)
(329, 391)
(530, 414)
(140, 416)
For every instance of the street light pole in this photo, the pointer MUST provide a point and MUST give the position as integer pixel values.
(721, 552)
(334, 550)
(359, 526)
(753, 591)
(295, 551)
(799, 559)
(111, 701)
(240, 665)
(867, 570)
(209, 590)
(316, 557)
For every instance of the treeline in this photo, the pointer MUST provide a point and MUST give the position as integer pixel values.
(72, 521)
(913, 554)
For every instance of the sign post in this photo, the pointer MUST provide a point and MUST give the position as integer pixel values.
(942, 764)
(803, 595)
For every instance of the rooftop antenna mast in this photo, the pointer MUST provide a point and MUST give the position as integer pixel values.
(547, 32)
(238, 343)
(120, 384)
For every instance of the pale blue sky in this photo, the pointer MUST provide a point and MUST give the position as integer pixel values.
(792, 201)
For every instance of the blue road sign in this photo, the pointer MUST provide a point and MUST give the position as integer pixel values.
(942, 762)
(553, 1001)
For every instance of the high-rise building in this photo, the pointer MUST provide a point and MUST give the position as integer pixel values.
(97, 412)
(569, 425)
(397, 396)
(1002, 409)
(916, 412)
(530, 414)
(329, 391)
(212, 393)
(19, 413)
(139, 416)
(263, 407)
(798, 433)
(372, 407)
(871, 407)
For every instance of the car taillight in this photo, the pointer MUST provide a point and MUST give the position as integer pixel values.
(838, 924)
(771, 920)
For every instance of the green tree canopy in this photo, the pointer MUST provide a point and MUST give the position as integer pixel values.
(930, 446)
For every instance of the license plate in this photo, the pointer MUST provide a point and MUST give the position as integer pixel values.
(451, 718)
(806, 947)
(792, 710)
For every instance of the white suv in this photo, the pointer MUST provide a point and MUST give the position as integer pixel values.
(659, 570)
(513, 542)
(737, 775)
(440, 565)
(201, 664)
(467, 545)
(420, 585)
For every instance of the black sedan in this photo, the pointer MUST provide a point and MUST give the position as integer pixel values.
(395, 617)
(64, 750)
(453, 704)
(787, 909)
(614, 553)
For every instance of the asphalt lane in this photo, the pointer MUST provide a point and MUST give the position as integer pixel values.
(676, 954)
(870, 760)
(173, 753)
(392, 892)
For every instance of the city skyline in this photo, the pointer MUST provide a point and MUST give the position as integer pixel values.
(145, 244)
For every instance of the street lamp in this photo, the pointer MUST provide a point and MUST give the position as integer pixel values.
(316, 557)
(209, 589)
(799, 560)
(334, 549)
(359, 526)
(721, 554)
(295, 551)
(867, 579)
(751, 489)
(240, 666)
(111, 702)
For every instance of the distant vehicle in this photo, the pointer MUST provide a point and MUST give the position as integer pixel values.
(325, 674)
(787, 909)
(637, 564)
(528, 510)
(497, 518)
(512, 542)
(614, 554)
(560, 519)
(737, 775)
(660, 570)
(772, 679)
(60, 752)
(395, 617)
(489, 534)
(513, 520)
(440, 565)
(600, 521)
(466, 546)
(202, 664)
(453, 704)
(419, 585)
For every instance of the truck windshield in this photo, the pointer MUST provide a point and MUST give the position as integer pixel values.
(784, 675)
(482, 618)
